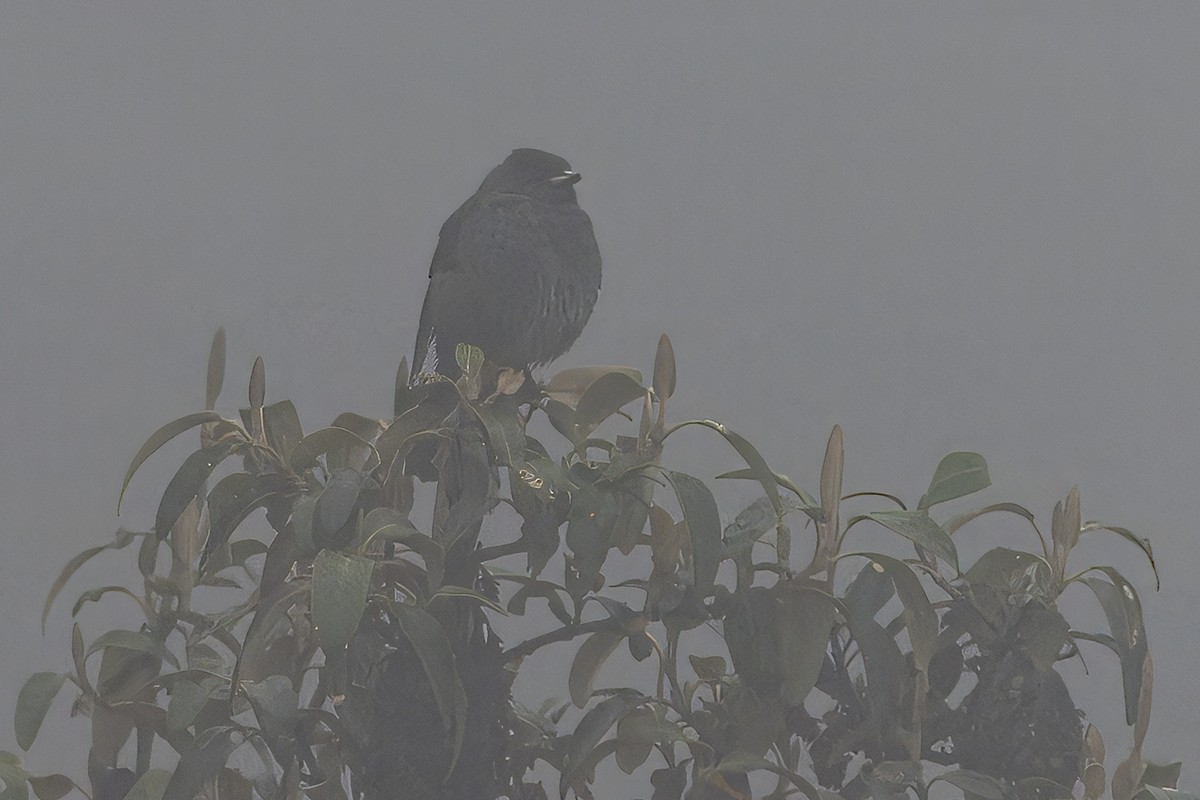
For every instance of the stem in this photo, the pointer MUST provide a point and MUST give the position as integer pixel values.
(564, 634)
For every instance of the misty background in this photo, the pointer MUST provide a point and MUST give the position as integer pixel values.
(942, 226)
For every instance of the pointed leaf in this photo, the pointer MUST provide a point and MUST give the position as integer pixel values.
(216, 369)
(36, 696)
(664, 369)
(603, 398)
(52, 787)
(137, 641)
(703, 523)
(831, 486)
(957, 475)
(160, 437)
(151, 786)
(258, 384)
(187, 483)
(918, 528)
(569, 385)
(121, 540)
(1142, 544)
(805, 618)
(1123, 609)
(339, 596)
(200, 762)
(341, 448)
(591, 655)
(921, 619)
(437, 659)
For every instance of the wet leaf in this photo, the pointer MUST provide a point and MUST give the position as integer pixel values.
(339, 596)
(36, 696)
(957, 475)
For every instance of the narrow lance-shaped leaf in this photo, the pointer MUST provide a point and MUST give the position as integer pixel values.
(137, 641)
(1123, 609)
(231, 501)
(920, 617)
(703, 523)
(121, 540)
(831, 490)
(187, 483)
(160, 437)
(591, 655)
(216, 369)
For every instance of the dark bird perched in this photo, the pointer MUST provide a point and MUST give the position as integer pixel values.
(516, 271)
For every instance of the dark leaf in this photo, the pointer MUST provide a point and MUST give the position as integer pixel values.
(187, 483)
(341, 448)
(603, 398)
(402, 397)
(339, 596)
(506, 439)
(216, 371)
(258, 384)
(93, 595)
(437, 659)
(336, 506)
(52, 787)
(203, 760)
(975, 783)
(160, 437)
(664, 369)
(588, 733)
(283, 427)
(1142, 544)
(232, 500)
(1123, 609)
(121, 540)
(703, 523)
(591, 655)
(804, 619)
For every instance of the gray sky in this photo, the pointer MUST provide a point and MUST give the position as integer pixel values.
(943, 226)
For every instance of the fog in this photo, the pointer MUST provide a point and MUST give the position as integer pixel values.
(941, 226)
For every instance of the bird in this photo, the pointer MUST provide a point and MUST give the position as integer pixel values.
(516, 271)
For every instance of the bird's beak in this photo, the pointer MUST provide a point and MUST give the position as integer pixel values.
(566, 177)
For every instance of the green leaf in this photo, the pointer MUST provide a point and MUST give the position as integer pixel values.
(588, 733)
(137, 641)
(506, 439)
(160, 437)
(341, 448)
(188, 698)
(232, 500)
(187, 483)
(591, 655)
(703, 523)
(570, 384)
(216, 370)
(151, 786)
(919, 615)
(918, 528)
(201, 761)
(120, 541)
(93, 595)
(603, 398)
(52, 787)
(804, 619)
(1123, 609)
(36, 696)
(14, 777)
(974, 783)
(469, 359)
(957, 475)
(708, 668)
(437, 659)
(283, 427)
(953, 525)
(339, 596)
(664, 368)
(1142, 544)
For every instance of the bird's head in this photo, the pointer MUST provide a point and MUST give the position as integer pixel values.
(535, 173)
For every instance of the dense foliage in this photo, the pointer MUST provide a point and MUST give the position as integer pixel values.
(350, 652)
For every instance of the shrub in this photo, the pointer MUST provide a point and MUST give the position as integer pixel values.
(351, 652)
